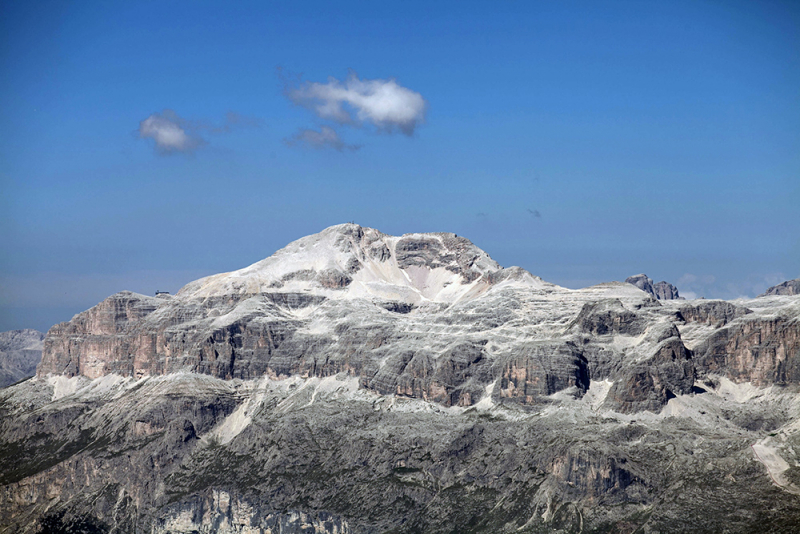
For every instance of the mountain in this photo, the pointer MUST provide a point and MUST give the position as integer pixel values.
(20, 353)
(790, 287)
(358, 382)
(660, 290)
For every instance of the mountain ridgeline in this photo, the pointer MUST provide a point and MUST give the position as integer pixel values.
(360, 382)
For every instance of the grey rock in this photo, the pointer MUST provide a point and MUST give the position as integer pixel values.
(712, 312)
(457, 325)
(790, 287)
(650, 384)
(660, 290)
(163, 454)
(356, 382)
(20, 353)
(760, 350)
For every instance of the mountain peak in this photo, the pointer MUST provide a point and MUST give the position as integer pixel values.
(660, 290)
(348, 260)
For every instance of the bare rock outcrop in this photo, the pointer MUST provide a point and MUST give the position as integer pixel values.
(427, 316)
(539, 369)
(20, 353)
(712, 312)
(790, 287)
(660, 290)
(762, 351)
(361, 383)
(650, 384)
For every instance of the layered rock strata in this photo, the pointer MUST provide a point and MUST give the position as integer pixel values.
(428, 316)
(356, 382)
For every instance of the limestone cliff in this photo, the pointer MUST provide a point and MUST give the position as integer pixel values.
(364, 383)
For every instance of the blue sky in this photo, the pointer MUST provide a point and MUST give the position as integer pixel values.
(656, 137)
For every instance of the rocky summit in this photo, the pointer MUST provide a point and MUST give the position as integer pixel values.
(660, 290)
(790, 287)
(355, 382)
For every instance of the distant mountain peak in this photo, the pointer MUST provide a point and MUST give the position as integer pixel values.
(348, 260)
(790, 287)
(660, 290)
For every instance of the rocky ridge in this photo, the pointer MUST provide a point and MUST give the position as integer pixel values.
(790, 287)
(359, 382)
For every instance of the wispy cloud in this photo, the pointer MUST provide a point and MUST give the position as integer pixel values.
(326, 137)
(166, 130)
(174, 134)
(385, 104)
(708, 286)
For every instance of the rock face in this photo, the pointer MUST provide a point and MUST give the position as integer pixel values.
(428, 316)
(356, 382)
(790, 287)
(20, 353)
(661, 290)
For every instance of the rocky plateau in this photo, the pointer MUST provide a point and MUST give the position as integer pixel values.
(355, 382)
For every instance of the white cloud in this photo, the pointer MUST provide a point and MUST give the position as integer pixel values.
(384, 103)
(167, 129)
(325, 138)
(174, 134)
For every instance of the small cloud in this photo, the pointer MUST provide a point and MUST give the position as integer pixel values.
(535, 213)
(166, 130)
(385, 104)
(175, 134)
(325, 138)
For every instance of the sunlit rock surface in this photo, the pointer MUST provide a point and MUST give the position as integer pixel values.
(359, 382)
